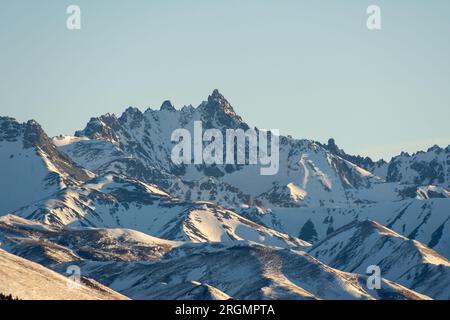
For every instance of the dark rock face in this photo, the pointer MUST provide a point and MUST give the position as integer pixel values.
(432, 172)
(167, 106)
(10, 129)
(280, 196)
(213, 171)
(363, 162)
(104, 127)
(218, 111)
(308, 232)
(133, 116)
(394, 174)
(35, 137)
(136, 169)
(408, 192)
(348, 178)
(422, 168)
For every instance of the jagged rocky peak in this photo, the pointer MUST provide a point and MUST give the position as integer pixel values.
(9, 128)
(217, 100)
(216, 95)
(31, 132)
(217, 109)
(332, 147)
(131, 112)
(167, 106)
(435, 149)
(32, 136)
(405, 154)
(132, 117)
(216, 112)
(6, 119)
(421, 168)
(188, 109)
(363, 162)
(102, 127)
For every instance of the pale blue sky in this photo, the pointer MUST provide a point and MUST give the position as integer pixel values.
(308, 68)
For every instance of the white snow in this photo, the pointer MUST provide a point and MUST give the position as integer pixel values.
(30, 281)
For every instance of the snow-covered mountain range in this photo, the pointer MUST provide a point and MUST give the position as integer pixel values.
(110, 200)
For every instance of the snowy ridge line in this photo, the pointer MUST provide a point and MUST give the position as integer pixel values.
(110, 200)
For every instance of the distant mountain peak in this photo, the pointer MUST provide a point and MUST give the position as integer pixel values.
(167, 106)
(4, 119)
(9, 128)
(216, 95)
(364, 162)
(132, 110)
(218, 100)
(32, 132)
(332, 147)
(219, 108)
(102, 127)
(435, 148)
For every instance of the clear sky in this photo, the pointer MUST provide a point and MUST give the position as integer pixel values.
(309, 68)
